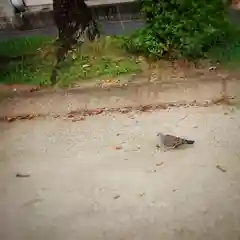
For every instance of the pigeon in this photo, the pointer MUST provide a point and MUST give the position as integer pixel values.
(171, 142)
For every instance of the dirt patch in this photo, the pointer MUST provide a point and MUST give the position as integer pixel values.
(81, 114)
(17, 87)
(167, 83)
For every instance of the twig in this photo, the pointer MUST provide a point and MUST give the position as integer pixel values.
(20, 175)
(220, 168)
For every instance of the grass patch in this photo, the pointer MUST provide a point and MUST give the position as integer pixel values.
(22, 46)
(31, 59)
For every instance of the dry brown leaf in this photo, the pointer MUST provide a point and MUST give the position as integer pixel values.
(81, 118)
(118, 147)
(35, 89)
(116, 197)
(124, 110)
(159, 164)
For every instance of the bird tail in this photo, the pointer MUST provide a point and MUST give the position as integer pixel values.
(189, 141)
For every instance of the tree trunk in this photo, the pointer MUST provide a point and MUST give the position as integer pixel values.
(73, 18)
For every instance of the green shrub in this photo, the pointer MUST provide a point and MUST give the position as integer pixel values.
(181, 28)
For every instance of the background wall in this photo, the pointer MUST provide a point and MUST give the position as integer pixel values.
(6, 8)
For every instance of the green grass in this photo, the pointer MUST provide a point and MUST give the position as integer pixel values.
(22, 46)
(31, 59)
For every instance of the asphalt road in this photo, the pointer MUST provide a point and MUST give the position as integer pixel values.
(107, 27)
(103, 178)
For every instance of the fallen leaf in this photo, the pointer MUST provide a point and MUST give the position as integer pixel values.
(11, 119)
(124, 110)
(70, 115)
(81, 118)
(145, 108)
(159, 164)
(116, 197)
(85, 65)
(56, 115)
(29, 117)
(212, 68)
(35, 89)
(95, 112)
(21, 117)
(118, 147)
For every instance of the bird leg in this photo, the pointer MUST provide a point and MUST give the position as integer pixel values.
(161, 147)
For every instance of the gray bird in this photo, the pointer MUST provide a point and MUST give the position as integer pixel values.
(170, 142)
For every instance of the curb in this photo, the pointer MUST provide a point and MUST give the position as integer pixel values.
(136, 94)
(81, 114)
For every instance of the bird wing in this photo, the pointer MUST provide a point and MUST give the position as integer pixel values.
(172, 141)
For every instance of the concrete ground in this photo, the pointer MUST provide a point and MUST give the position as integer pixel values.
(103, 178)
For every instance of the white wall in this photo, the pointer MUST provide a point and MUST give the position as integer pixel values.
(7, 7)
